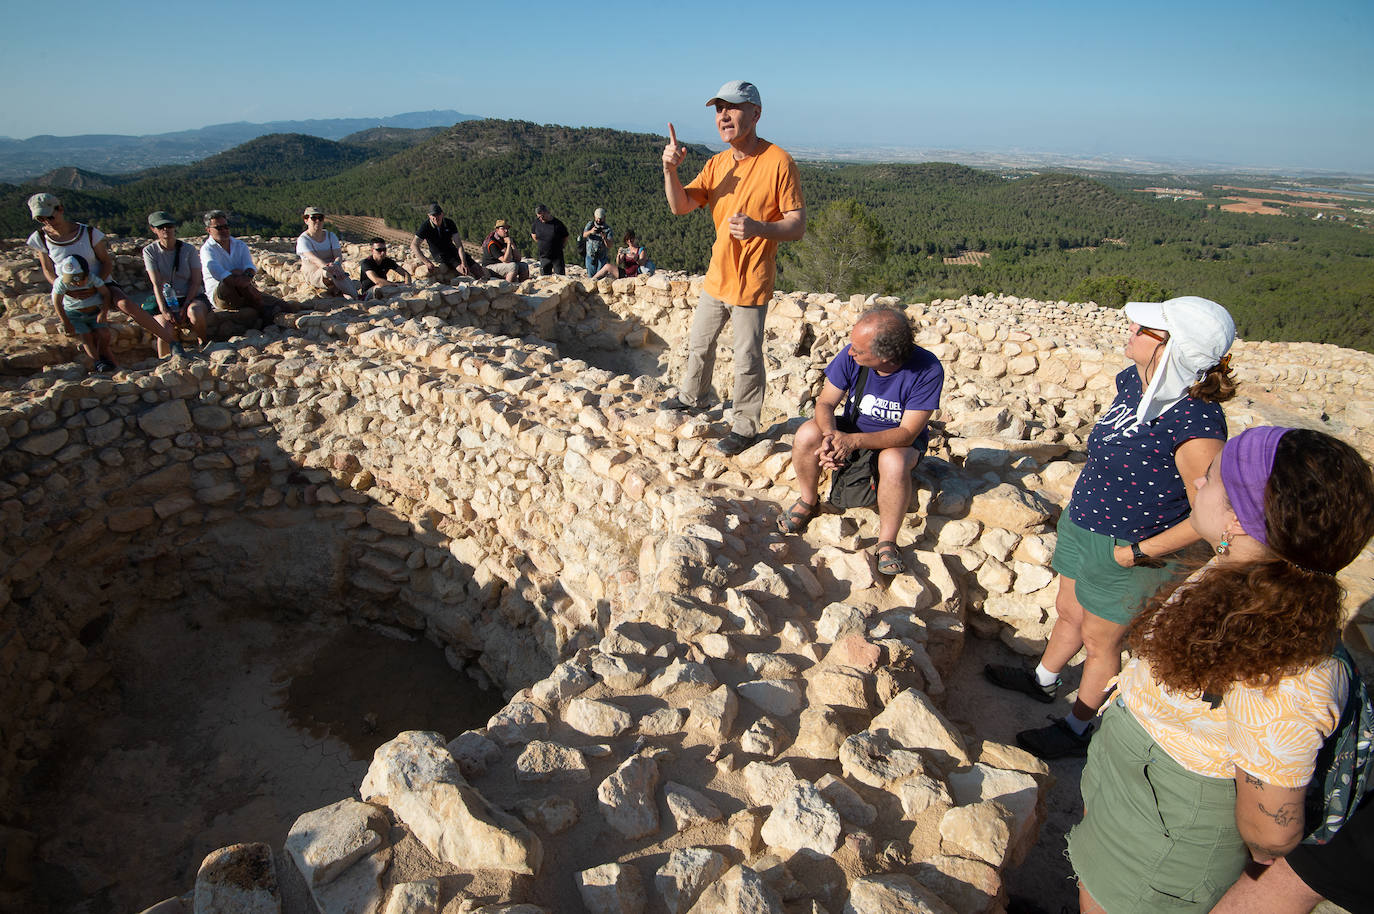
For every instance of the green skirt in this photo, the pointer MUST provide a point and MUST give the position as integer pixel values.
(1154, 836)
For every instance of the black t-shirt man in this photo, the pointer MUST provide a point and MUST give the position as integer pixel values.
(440, 238)
(550, 237)
(381, 268)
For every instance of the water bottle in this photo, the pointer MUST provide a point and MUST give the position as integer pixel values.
(169, 296)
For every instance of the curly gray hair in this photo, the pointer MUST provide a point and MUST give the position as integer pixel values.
(892, 337)
(216, 214)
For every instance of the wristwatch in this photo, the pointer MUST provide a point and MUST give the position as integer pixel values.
(1138, 556)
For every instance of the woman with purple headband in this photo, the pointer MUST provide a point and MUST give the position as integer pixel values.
(1203, 760)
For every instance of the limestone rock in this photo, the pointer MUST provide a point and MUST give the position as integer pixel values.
(238, 879)
(664, 721)
(764, 737)
(518, 722)
(846, 800)
(739, 891)
(473, 752)
(969, 886)
(567, 680)
(765, 784)
(327, 841)
(1015, 791)
(779, 697)
(597, 718)
(612, 888)
(424, 788)
(803, 820)
(542, 760)
(980, 829)
(911, 720)
(689, 807)
(820, 733)
(553, 814)
(687, 872)
(713, 715)
(414, 898)
(919, 793)
(681, 674)
(166, 420)
(893, 894)
(875, 760)
(626, 797)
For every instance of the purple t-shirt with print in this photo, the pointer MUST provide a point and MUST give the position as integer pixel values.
(1130, 487)
(916, 385)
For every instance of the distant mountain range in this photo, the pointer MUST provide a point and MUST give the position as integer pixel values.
(113, 154)
(1037, 233)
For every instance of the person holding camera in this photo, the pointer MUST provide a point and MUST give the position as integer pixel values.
(600, 241)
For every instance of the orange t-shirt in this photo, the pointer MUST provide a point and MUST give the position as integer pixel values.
(763, 187)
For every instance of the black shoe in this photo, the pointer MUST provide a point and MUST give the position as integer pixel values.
(735, 443)
(1055, 741)
(103, 366)
(1020, 679)
(677, 404)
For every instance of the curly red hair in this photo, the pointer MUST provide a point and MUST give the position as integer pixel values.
(1257, 622)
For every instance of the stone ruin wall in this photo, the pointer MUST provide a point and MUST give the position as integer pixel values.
(439, 464)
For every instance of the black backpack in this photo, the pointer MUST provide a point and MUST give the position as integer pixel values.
(855, 485)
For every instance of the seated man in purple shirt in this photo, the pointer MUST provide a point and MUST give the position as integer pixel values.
(900, 390)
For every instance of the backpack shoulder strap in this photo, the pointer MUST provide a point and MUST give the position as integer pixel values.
(176, 258)
(851, 409)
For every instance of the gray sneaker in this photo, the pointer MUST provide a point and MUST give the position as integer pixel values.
(1020, 679)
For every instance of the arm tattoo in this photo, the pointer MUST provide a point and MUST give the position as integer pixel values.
(1285, 815)
(1253, 781)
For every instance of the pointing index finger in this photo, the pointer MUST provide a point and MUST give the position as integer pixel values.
(672, 134)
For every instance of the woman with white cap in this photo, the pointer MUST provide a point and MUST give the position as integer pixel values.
(58, 237)
(1131, 503)
(1203, 764)
(322, 257)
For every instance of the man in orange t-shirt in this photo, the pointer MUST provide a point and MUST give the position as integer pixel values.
(755, 199)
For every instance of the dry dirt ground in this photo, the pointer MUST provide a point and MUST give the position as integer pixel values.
(151, 773)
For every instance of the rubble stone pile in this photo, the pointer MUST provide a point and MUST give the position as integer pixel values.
(704, 715)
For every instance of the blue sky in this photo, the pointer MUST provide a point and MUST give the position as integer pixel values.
(1260, 83)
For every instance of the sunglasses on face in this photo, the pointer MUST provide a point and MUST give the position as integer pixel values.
(221, 227)
(1152, 334)
(314, 218)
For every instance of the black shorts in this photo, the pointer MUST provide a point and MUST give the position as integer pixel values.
(1339, 871)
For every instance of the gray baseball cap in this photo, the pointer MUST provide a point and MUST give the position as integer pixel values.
(160, 218)
(42, 205)
(737, 92)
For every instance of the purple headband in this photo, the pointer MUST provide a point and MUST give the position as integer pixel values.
(1246, 462)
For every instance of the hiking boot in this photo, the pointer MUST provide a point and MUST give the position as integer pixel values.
(103, 366)
(1020, 679)
(735, 443)
(677, 404)
(1055, 741)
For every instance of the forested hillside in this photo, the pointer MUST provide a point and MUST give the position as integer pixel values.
(1041, 235)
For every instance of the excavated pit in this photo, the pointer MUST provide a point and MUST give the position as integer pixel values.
(433, 469)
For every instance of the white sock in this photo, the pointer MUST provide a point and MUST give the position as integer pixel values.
(1078, 726)
(1044, 676)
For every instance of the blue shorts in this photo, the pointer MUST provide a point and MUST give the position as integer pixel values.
(85, 321)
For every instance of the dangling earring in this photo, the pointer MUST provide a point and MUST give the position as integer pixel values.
(1224, 546)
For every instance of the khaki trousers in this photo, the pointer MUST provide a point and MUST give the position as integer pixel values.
(750, 375)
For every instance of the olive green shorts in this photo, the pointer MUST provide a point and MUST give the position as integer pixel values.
(1102, 586)
(1154, 836)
